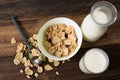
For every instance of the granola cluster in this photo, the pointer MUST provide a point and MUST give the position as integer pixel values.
(22, 57)
(60, 40)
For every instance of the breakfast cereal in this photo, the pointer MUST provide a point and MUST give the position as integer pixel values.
(16, 61)
(56, 63)
(20, 46)
(60, 40)
(13, 40)
(28, 71)
(57, 73)
(48, 67)
(21, 71)
(22, 54)
(34, 36)
(36, 75)
(40, 69)
(50, 60)
(28, 76)
(34, 52)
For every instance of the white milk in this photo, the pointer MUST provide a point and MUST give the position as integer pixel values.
(94, 61)
(93, 26)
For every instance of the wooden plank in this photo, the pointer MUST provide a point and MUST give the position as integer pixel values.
(68, 71)
(33, 14)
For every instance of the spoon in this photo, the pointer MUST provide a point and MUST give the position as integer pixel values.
(32, 59)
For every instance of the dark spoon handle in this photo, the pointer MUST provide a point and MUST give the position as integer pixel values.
(21, 32)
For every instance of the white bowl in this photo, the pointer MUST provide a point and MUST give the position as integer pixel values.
(58, 20)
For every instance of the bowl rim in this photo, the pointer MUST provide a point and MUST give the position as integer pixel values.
(53, 21)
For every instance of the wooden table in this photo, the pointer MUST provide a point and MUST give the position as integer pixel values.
(33, 14)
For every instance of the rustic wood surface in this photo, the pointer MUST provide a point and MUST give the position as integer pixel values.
(32, 14)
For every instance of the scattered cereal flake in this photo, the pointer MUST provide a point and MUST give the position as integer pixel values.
(24, 59)
(34, 52)
(40, 69)
(50, 60)
(36, 46)
(31, 39)
(35, 36)
(19, 56)
(56, 63)
(36, 75)
(34, 43)
(31, 65)
(57, 73)
(13, 40)
(36, 65)
(20, 46)
(28, 71)
(48, 67)
(21, 71)
(28, 76)
(63, 62)
(27, 63)
(16, 61)
(24, 47)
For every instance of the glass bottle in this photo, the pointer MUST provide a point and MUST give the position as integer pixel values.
(95, 24)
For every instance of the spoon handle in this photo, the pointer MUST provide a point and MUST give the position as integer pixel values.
(21, 32)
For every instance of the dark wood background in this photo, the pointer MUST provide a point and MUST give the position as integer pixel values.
(32, 14)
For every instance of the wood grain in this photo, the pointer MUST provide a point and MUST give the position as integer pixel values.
(68, 71)
(32, 14)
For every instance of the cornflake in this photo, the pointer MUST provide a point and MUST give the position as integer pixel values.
(20, 46)
(50, 60)
(48, 67)
(13, 40)
(27, 63)
(24, 47)
(16, 61)
(57, 73)
(20, 56)
(22, 52)
(35, 36)
(40, 69)
(28, 71)
(34, 52)
(21, 71)
(28, 76)
(56, 63)
(31, 39)
(36, 75)
(60, 40)
(24, 59)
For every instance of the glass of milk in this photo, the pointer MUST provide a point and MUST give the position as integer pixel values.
(95, 24)
(94, 61)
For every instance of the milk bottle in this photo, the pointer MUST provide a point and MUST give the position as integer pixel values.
(95, 24)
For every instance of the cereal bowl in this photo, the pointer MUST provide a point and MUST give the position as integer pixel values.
(59, 20)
